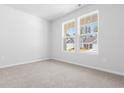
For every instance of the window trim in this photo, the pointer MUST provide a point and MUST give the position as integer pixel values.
(77, 36)
(62, 49)
(78, 33)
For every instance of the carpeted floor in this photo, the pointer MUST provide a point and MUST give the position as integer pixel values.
(53, 74)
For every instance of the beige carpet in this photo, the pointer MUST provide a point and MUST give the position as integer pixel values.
(54, 74)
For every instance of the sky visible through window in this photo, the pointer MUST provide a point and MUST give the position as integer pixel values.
(71, 32)
(87, 37)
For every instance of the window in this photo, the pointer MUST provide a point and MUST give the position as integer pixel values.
(69, 36)
(88, 33)
(86, 41)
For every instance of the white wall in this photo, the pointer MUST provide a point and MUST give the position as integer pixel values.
(23, 37)
(111, 44)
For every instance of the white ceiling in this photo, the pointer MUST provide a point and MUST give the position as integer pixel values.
(47, 11)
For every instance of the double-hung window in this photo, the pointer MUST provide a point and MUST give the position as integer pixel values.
(88, 33)
(69, 36)
(86, 41)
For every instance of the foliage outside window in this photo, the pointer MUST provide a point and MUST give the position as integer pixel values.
(88, 32)
(69, 35)
(87, 39)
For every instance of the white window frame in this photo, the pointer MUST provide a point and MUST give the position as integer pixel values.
(78, 31)
(75, 45)
(77, 36)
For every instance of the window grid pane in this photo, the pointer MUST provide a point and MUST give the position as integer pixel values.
(88, 33)
(69, 36)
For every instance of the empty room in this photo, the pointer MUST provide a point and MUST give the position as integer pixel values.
(61, 46)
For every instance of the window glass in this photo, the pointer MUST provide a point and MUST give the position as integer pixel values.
(88, 28)
(69, 36)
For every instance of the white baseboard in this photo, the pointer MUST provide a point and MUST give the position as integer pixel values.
(66, 61)
(25, 62)
(92, 67)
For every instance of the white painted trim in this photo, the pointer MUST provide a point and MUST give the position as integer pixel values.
(92, 67)
(62, 41)
(25, 62)
(66, 61)
(78, 30)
